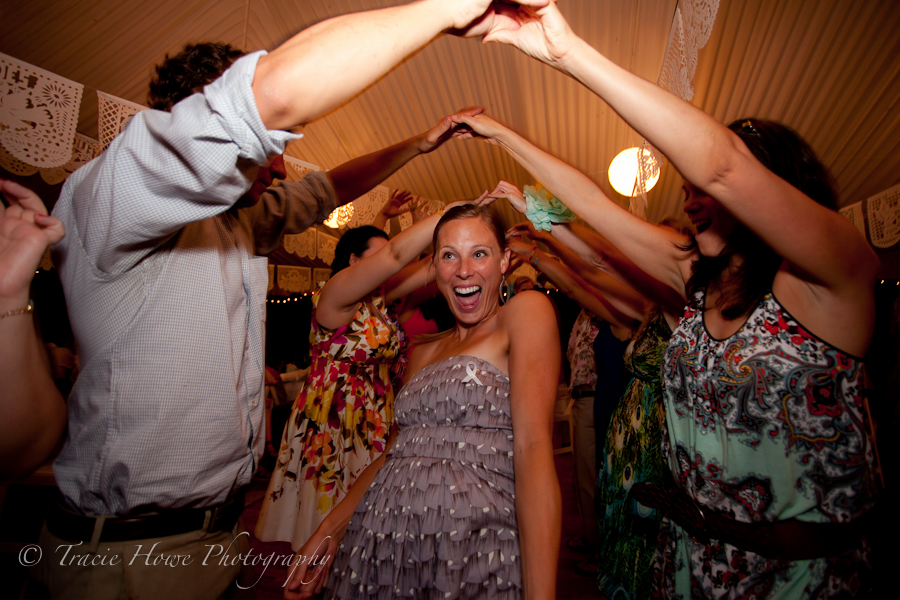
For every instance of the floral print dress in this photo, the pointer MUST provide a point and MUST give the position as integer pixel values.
(339, 423)
(765, 425)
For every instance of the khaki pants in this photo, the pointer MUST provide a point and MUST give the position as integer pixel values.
(191, 565)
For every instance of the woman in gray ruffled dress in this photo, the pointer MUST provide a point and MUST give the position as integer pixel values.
(465, 503)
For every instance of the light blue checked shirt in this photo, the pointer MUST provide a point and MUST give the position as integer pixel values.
(166, 295)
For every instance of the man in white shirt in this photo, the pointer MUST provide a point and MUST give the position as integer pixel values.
(166, 289)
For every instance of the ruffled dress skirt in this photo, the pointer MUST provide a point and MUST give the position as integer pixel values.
(439, 521)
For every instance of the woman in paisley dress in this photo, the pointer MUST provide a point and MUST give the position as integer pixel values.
(766, 435)
(465, 503)
(341, 419)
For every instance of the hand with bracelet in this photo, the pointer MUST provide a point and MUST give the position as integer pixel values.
(512, 193)
(32, 412)
(539, 206)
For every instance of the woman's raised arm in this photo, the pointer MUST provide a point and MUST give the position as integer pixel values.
(648, 246)
(597, 292)
(821, 247)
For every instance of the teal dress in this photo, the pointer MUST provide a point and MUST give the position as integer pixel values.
(764, 426)
(633, 453)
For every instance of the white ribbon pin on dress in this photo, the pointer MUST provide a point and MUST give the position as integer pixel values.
(471, 374)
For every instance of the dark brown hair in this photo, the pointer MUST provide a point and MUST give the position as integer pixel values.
(188, 72)
(470, 211)
(354, 242)
(786, 154)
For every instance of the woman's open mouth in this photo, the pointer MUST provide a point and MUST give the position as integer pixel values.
(467, 297)
(702, 225)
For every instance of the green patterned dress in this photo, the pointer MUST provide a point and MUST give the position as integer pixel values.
(633, 453)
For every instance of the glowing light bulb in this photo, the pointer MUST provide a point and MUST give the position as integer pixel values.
(623, 171)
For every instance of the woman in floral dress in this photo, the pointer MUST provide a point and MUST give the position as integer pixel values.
(341, 418)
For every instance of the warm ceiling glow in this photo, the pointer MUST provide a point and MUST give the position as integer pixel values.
(623, 172)
(339, 216)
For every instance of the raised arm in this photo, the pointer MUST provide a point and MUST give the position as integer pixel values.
(597, 292)
(589, 253)
(399, 202)
(411, 278)
(600, 253)
(346, 54)
(651, 248)
(825, 251)
(534, 360)
(294, 206)
(32, 411)
(356, 177)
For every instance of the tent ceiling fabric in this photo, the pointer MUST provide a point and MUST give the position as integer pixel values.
(827, 68)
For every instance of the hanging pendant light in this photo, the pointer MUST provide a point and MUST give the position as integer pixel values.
(623, 171)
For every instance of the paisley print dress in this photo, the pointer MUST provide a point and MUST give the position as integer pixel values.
(633, 453)
(339, 423)
(766, 425)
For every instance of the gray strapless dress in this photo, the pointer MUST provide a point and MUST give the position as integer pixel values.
(439, 521)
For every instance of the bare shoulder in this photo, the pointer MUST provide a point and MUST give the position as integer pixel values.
(529, 307)
(529, 302)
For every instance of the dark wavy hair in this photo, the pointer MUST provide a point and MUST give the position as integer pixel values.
(781, 150)
(354, 241)
(188, 72)
(470, 211)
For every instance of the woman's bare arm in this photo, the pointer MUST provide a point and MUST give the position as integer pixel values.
(534, 361)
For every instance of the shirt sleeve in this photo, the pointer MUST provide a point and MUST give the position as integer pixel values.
(291, 208)
(170, 169)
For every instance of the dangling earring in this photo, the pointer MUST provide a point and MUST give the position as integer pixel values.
(504, 291)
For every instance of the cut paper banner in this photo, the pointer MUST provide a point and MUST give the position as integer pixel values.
(321, 275)
(301, 244)
(884, 217)
(294, 279)
(115, 114)
(38, 113)
(325, 245)
(297, 168)
(84, 149)
(691, 27)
